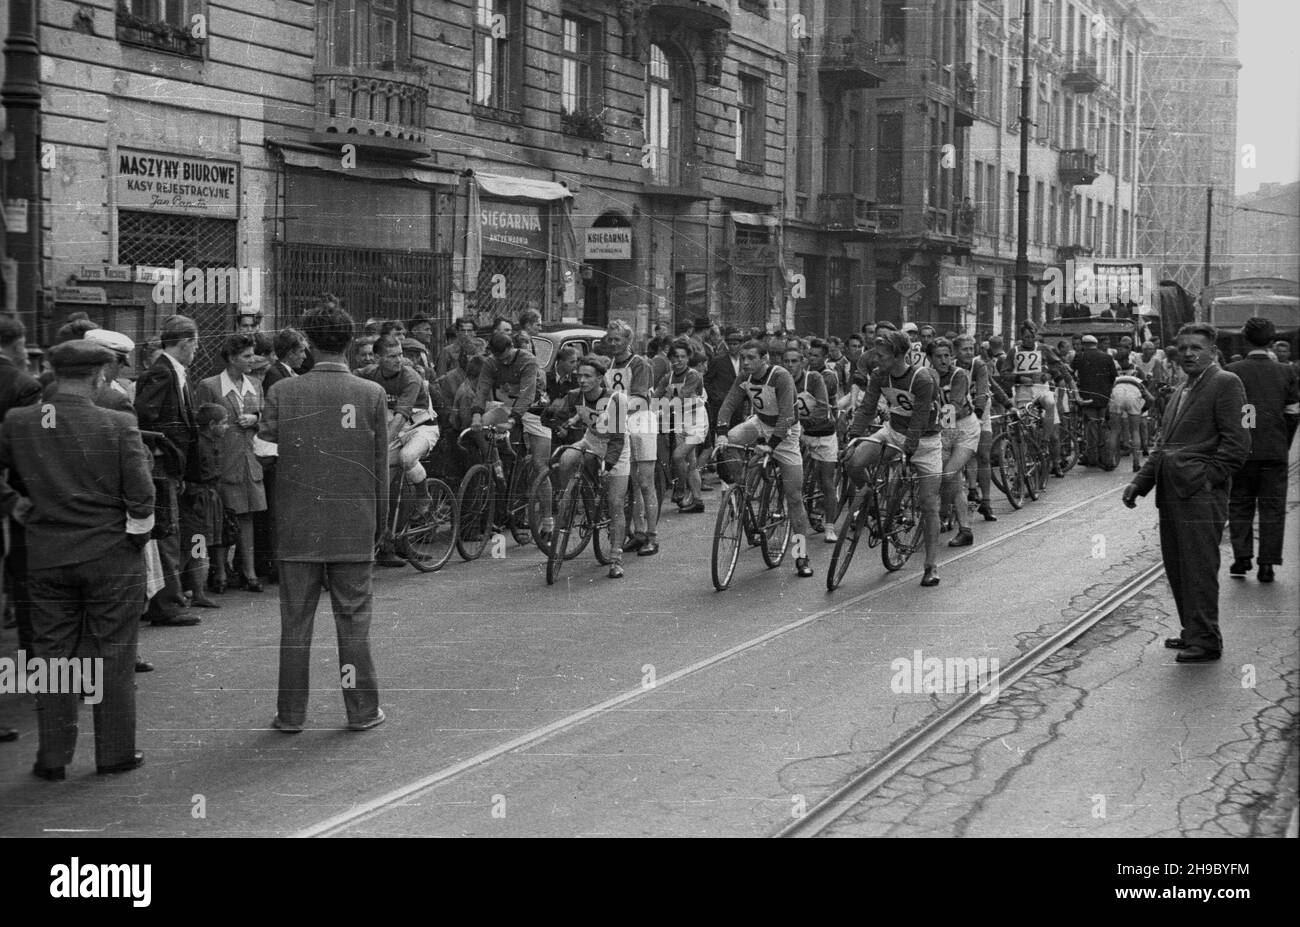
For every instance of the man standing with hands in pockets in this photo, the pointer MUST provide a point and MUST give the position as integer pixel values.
(331, 503)
(1204, 442)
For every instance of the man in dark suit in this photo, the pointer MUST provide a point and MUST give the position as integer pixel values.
(17, 388)
(86, 473)
(722, 371)
(290, 352)
(1204, 444)
(331, 504)
(163, 403)
(1274, 397)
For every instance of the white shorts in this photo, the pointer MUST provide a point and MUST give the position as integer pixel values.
(1125, 399)
(599, 447)
(752, 429)
(410, 447)
(533, 426)
(965, 434)
(928, 459)
(1045, 395)
(643, 435)
(824, 448)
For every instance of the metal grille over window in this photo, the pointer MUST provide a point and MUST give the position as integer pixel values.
(369, 283)
(750, 300)
(154, 239)
(522, 281)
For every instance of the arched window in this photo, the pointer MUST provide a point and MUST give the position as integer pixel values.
(668, 115)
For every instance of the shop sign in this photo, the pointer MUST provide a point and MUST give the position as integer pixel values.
(160, 182)
(513, 229)
(609, 244)
(116, 273)
(81, 294)
(955, 288)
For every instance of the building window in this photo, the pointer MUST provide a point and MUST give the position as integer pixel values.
(1103, 156)
(1038, 212)
(857, 159)
(1125, 247)
(164, 25)
(750, 124)
(991, 186)
(1126, 155)
(980, 205)
(1054, 134)
(1052, 217)
(893, 27)
(1013, 99)
(364, 34)
(669, 119)
(498, 54)
(1128, 76)
(1009, 195)
(579, 86)
(889, 160)
(1108, 231)
(1113, 144)
(803, 146)
(1043, 24)
(1043, 118)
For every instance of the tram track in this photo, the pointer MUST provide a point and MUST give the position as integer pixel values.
(340, 823)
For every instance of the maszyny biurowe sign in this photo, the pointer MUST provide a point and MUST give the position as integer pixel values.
(157, 181)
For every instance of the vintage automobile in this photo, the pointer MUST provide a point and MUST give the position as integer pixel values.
(556, 335)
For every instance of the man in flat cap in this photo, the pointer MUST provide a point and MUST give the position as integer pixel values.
(86, 476)
(114, 394)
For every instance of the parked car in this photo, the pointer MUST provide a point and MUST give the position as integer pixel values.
(554, 336)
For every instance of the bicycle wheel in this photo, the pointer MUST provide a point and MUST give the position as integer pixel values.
(1039, 449)
(852, 524)
(517, 497)
(1069, 446)
(1030, 465)
(726, 538)
(774, 522)
(903, 527)
(812, 499)
(1007, 473)
(475, 503)
(430, 536)
(597, 505)
(567, 525)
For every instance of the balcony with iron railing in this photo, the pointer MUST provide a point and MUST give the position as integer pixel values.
(1083, 75)
(1078, 166)
(849, 216)
(850, 61)
(694, 14)
(382, 108)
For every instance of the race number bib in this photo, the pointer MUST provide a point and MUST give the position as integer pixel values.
(1029, 362)
(804, 404)
(762, 397)
(898, 401)
(916, 355)
(619, 379)
(596, 417)
(948, 416)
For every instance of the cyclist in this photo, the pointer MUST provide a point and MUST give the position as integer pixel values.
(1033, 368)
(771, 394)
(509, 381)
(1155, 373)
(982, 389)
(812, 405)
(683, 388)
(630, 374)
(960, 434)
(913, 396)
(1097, 372)
(412, 427)
(1129, 400)
(603, 413)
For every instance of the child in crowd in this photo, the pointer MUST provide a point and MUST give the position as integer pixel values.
(201, 510)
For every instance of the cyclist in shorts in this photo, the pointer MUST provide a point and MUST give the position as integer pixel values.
(1033, 368)
(509, 381)
(1129, 401)
(632, 375)
(817, 424)
(681, 408)
(603, 413)
(984, 388)
(770, 391)
(913, 396)
(960, 434)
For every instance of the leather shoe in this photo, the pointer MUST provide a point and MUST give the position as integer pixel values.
(1240, 567)
(1265, 573)
(964, 538)
(176, 621)
(648, 549)
(50, 773)
(929, 578)
(1197, 655)
(255, 585)
(8, 733)
(695, 508)
(615, 571)
(802, 568)
(143, 666)
(1175, 643)
(199, 600)
(987, 511)
(367, 725)
(388, 560)
(284, 727)
(217, 586)
(634, 542)
(136, 761)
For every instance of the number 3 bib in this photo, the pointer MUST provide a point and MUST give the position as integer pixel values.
(762, 396)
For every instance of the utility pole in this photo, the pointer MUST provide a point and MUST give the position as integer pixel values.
(1209, 219)
(1022, 186)
(21, 96)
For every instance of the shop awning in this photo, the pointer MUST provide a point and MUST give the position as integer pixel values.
(520, 188)
(423, 174)
(755, 219)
